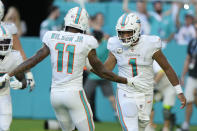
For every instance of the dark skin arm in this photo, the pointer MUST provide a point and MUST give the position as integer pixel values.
(111, 62)
(101, 70)
(31, 62)
(21, 78)
(162, 61)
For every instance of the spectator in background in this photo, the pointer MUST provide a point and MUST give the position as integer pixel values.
(190, 66)
(98, 25)
(162, 23)
(50, 23)
(141, 13)
(187, 31)
(94, 81)
(13, 16)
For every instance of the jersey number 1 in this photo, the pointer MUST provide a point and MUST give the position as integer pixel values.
(71, 52)
(132, 62)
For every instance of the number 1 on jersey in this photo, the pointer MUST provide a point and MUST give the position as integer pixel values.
(71, 51)
(132, 62)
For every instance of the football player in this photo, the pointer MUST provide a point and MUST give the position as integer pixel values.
(134, 54)
(16, 44)
(9, 59)
(68, 50)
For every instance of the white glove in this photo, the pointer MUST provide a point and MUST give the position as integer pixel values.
(15, 84)
(136, 82)
(30, 80)
(5, 78)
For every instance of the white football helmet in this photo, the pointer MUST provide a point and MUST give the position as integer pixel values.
(5, 41)
(128, 22)
(1, 10)
(77, 18)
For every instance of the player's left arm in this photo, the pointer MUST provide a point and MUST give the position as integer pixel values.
(17, 46)
(162, 61)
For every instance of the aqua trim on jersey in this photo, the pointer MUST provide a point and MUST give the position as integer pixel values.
(89, 118)
(3, 30)
(124, 127)
(132, 62)
(1, 74)
(123, 20)
(60, 48)
(71, 54)
(78, 15)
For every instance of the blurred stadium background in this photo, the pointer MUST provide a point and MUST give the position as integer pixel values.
(31, 109)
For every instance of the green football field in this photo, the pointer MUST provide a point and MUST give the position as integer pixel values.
(38, 125)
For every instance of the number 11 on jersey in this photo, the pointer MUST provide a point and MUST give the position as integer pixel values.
(132, 62)
(71, 51)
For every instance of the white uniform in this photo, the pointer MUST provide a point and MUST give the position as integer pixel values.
(10, 62)
(132, 103)
(165, 87)
(68, 55)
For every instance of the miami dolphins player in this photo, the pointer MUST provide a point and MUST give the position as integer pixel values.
(9, 59)
(11, 27)
(134, 54)
(68, 50)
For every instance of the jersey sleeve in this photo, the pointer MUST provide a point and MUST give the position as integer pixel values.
(91, 43)
(156, 67)
(110, 46)
(156, 42)
(18, 57)
(46, 38)
(12, 28)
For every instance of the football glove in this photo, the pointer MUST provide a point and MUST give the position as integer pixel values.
(136, 82)
(5, 78)
(15, 84)
(30, 80)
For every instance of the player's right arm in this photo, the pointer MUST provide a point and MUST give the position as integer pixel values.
(104, 71)
(31, 62)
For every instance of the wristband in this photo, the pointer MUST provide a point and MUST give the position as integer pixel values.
(178, 89)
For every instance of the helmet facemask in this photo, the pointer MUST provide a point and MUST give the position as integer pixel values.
(128, 38)
(5, 46)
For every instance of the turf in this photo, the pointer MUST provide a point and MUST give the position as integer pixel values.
(38, 125)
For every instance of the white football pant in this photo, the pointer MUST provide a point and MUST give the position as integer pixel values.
(72, 109)
(133, 110)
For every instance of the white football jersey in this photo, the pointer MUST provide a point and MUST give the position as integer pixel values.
(10, 26)
(136, 60)
(10, 62)
(68, 55)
